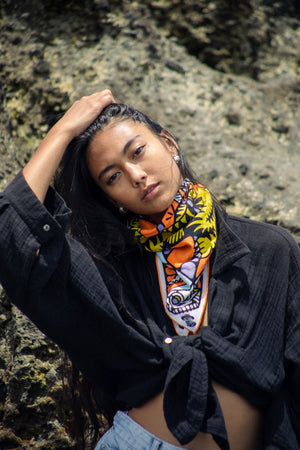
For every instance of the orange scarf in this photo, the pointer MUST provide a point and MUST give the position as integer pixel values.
(183, 242)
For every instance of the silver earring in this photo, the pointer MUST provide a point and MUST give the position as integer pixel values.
(122, 210)
(176, 158)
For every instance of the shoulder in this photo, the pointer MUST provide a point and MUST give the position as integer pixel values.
(264, 235)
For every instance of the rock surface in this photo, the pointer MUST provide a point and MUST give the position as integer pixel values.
(222, 76)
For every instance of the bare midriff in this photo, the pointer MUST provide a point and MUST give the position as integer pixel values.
(243, 422)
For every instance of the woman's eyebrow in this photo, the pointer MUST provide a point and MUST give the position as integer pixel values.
(125, 150)
(128, 144)
(103, 172)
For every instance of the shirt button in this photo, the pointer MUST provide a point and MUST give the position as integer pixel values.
(168, 340)
(46, 227)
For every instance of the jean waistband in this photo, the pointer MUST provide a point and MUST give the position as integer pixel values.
(127, 434)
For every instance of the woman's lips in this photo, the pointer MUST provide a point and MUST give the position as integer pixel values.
(150, 191)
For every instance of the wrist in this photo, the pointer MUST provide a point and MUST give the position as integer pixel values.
(62, 132)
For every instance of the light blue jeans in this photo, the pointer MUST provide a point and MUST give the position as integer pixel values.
(126, 434)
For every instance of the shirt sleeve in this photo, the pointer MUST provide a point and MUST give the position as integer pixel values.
(63, 291)
(292, 347)
(26, 225)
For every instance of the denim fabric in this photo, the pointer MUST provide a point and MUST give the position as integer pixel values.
(126, 434)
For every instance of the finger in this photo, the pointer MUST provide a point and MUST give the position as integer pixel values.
(98, 100)
(106, 95)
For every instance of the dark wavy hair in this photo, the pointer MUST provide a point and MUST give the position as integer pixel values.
(102, 230)
(95, 221)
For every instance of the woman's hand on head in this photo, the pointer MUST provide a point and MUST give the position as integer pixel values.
(83, 112)
(48, 156)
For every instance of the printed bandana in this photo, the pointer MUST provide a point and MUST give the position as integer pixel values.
(183, 242)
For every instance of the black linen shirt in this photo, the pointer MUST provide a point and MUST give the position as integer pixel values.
(251, 344)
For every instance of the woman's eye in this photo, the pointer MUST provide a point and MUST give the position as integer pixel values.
(113, 178)
(138, 151)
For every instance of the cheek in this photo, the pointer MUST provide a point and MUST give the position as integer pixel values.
(118, 196)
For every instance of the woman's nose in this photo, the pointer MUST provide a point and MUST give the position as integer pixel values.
(136, 174)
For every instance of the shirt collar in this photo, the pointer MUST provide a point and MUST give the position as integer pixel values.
(229, 248)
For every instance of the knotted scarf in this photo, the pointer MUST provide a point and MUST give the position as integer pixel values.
(183, 242)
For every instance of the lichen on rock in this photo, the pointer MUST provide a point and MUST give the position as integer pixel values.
(223, 77)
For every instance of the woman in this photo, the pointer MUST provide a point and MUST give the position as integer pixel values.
(188, 318)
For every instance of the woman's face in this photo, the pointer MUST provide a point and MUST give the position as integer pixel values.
(135, 167)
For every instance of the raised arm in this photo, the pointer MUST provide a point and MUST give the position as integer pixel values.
(39, 171)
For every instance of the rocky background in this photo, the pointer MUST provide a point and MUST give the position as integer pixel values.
(223, 76)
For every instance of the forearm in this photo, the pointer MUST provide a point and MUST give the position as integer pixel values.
(41, 168)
